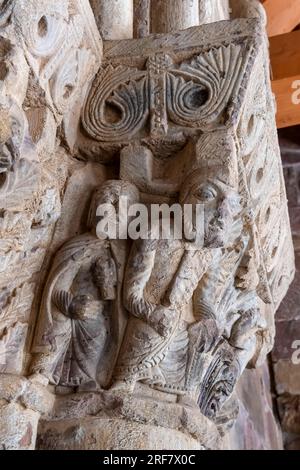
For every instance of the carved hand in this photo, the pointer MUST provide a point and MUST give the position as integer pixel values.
(162, 320)
(81, 307)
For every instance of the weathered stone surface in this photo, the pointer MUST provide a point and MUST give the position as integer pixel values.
(106, 434)
(18, 427)
(114, 18)
(51, 53)
(287, 377)
(21, 403)
(256, 427)
(289, 408)
(292, 182)
(294, 444)
(289, 310)
(287, 332)
(118, 421)
(287, 342)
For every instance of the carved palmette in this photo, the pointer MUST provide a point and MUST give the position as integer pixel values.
(165, 95)
(124, 91)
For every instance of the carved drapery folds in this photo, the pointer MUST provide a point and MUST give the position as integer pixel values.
(185, 117)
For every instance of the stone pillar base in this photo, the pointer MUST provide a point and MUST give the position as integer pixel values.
(21, 405)
(108, 434)
(18, 427)
(106, 421)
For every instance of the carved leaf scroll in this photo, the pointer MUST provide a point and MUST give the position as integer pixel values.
(199, 91)
(118, 104)
(19, 185)
(17, 306)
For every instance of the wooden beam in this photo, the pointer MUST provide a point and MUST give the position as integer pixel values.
(283, 15)
(285, 55)
(288, 112)
(285, 62)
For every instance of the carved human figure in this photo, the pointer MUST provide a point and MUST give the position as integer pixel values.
(81, 314)
(160, 281)
(229, 327)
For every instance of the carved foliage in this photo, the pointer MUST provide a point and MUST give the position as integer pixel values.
(13, 328)
(199, 92)
(265, 191)
(117, 106)
(56, 47)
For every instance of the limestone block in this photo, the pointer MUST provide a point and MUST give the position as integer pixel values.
(289, 310)
(111, 434)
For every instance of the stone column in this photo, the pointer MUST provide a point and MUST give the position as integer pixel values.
(141, 23)
(173, 15)
(114, 18)
(211, 11)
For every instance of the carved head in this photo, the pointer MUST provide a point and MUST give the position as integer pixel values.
(212, 181)
(220, 203)
(111, 193)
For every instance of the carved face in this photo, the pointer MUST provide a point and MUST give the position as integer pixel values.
(220, 205)
(115, 197)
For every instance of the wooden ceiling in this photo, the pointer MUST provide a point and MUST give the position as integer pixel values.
(284, 33)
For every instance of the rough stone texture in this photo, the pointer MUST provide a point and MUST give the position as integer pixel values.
(37, 94)
(286, 355)
(289, 408)
(287, 376)
(256, 427)
(106, 434)
(165, 326)
(287, 332)
(21, 404)
(18, 427)
(289, 310)
(117, 421)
